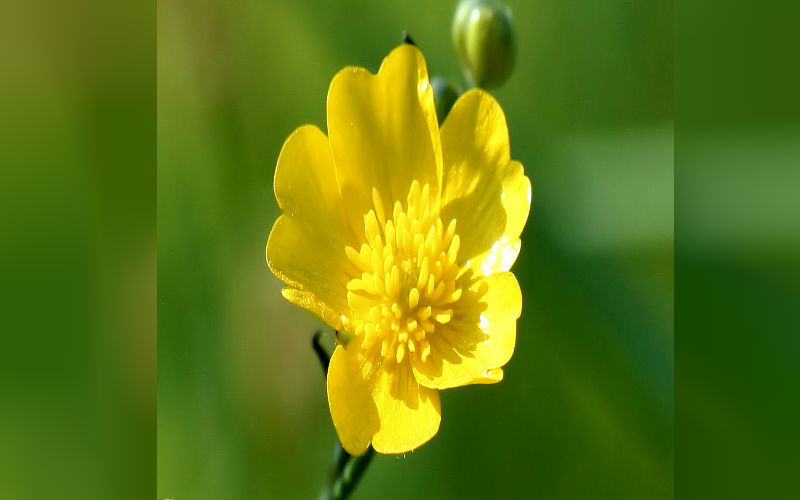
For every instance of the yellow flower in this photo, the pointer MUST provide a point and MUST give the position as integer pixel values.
(400, 234)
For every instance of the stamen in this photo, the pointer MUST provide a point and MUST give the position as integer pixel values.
(378, 202)
(407, 288)
(413, 298)
(444, 318)
(401, 352)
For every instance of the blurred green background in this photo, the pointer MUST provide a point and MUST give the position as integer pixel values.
(586, 407)
(77, 250)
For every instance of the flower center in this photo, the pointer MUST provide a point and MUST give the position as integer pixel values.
(408, 283)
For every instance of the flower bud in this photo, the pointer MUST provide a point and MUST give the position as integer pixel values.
(483, 34)
(444, 96)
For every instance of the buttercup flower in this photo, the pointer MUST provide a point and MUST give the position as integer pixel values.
(399, 234)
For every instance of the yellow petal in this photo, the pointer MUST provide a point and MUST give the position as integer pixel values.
(487, 345)
(306, 245)
(517, 194)
(353, 410)
(481, 187)
(383, 132)
(516, 199)
(409, 413)
(388, 408)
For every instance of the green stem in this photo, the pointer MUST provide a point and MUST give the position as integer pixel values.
(345, 469)
(322, 355)
(345, 472)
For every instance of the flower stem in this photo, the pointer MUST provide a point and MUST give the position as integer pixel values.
(345, 472)
(323, 355)
(345, 469)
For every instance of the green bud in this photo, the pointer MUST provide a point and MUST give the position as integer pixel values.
(344, 337)
(483, 34)
(444, 96)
